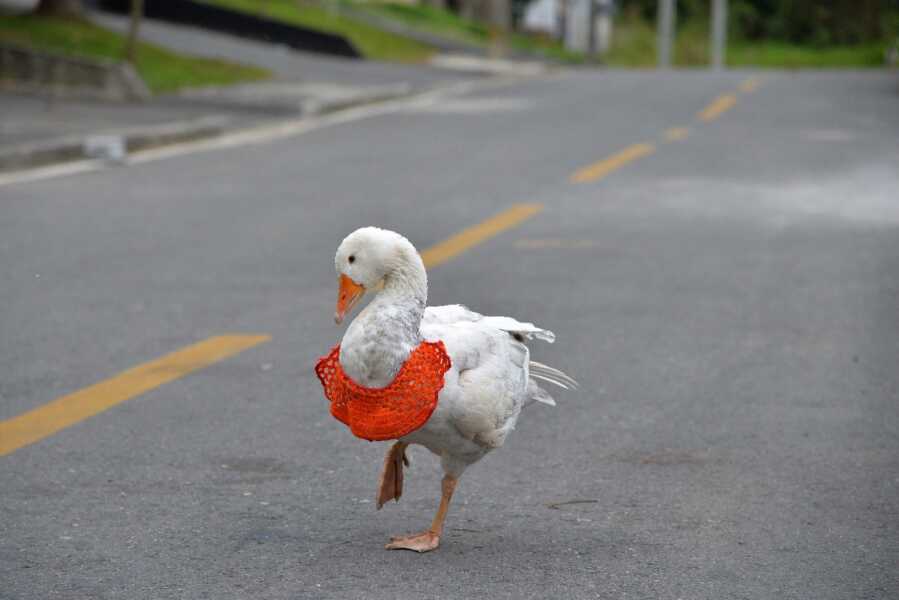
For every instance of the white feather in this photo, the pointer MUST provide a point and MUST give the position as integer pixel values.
(491, 377)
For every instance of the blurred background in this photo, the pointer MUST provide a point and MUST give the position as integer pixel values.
(614, 33)
(303, 57)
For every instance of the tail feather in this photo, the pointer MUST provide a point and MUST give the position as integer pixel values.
(520, 330)
(552, 375)
(538, 394)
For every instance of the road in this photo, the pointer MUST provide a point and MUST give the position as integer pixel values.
(718, 254)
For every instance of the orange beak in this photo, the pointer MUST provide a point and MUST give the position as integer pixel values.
(349, 294)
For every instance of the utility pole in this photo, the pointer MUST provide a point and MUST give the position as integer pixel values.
(604, 10)
(666, 18)
(562, 20)
(591, 31)
(719, 32)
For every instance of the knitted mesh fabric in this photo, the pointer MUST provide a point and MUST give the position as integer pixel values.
(387, 413)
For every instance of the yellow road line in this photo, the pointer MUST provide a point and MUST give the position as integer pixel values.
(717, 107)
(676, 134)
(750, 85)
(600, 169)
(465, 239)
(66, 411)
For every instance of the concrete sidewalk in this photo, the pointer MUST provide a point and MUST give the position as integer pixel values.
(40, 130)
(37, 131)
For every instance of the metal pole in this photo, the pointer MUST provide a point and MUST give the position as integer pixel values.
(562, 16)
(719, 32)
(604, 26)
(666, 19)
(591, 35)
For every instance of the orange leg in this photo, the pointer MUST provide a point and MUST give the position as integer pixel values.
(430, 539)
(391, 487)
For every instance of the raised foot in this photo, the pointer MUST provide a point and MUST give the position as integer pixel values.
(391, 487)
(419, 542)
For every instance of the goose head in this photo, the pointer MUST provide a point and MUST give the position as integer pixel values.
(371, 259)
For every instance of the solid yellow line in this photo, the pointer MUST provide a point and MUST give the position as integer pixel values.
(66, 411)
(676, 134)
(474, 235)
(750, 85)
(600, 169)
(717, 107)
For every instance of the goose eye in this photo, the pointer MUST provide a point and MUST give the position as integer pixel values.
(352, 258)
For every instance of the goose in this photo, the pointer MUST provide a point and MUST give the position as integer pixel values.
(444, 377)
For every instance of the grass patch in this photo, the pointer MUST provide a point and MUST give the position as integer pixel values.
(430, 19)
(161, 69)
(545, 47)
(372, 42)
(447, 24)
(776, 54)
(634, 45)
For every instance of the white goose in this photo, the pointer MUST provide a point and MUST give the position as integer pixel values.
(481, 392)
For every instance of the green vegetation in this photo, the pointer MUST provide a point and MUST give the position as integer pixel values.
(789, 34)
(799, 33)
(835, 23)
(634, 45)
(791, 56)
(337, 17)
(430, 19)
(161, 69)
(372, 43)
(545, 47)
(447, 24)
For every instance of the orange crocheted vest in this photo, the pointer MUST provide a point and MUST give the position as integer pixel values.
(387, 413)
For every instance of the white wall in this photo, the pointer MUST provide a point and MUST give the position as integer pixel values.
(541, 16)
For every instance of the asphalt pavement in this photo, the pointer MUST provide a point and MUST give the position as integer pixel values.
(718, 254)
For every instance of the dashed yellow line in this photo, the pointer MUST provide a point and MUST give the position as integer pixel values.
(476, 234)
(676, 134)
(37, 424)
(50, 418)
(601, 168)
(717, 107)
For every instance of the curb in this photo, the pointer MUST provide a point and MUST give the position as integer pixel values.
(396, 92)
(112, 145)
(289, 98)
(489, 66)
(115, 145)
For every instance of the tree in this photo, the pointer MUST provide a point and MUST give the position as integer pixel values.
(67, 8)
(137, 12)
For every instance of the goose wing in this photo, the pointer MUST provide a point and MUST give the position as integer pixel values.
(493, 374)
